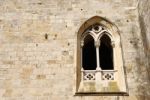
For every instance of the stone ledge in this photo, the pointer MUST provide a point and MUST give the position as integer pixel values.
(101, 94)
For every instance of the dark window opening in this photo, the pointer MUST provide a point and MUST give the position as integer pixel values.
(89, 54)
(106, 53)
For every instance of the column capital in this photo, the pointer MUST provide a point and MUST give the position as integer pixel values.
(113, 44)
(82, 69)
(97, 43)
(82, 43)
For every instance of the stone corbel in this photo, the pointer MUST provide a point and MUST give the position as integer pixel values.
(113, 44)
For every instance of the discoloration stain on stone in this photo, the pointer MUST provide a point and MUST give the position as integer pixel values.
(26, 73)
(8, 93)
(8, 62)
(51, 61)
(41, 76)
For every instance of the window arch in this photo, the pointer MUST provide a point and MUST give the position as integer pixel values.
(99, 58)
(106, 53)
(89, 54)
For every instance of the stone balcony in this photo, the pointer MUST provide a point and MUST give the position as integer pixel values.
(97, 81)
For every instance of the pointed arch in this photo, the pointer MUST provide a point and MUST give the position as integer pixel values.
(106, 53)
(108, 37)
(106, 33)
(112, 28)
(89, 53)
(85, 35)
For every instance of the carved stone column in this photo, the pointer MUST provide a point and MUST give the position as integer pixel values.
(113, 48)
(82, 44)
(97, 45)
(82, 76)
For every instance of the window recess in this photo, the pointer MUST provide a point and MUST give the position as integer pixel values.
(99, 59)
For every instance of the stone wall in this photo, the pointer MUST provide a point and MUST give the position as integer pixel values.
(38, 47)
(144, 19)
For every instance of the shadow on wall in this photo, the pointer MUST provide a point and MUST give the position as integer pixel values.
(145, 41)
(146, 62)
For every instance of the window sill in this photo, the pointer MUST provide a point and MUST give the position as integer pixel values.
(101, 94)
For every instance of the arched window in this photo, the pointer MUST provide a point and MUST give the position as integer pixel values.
(99, 58)
(106, 53)
(89, 54)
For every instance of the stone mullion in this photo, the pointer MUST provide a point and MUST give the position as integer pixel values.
(97, 45)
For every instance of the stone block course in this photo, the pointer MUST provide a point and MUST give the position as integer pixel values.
(33, 67)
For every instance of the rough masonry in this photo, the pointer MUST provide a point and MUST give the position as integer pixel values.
(38, 46)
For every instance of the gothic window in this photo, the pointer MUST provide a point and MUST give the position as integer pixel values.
(89, 54)
(99, 59)
(106, 53)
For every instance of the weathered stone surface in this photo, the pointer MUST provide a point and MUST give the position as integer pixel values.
(33, 67)
(144, 20)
